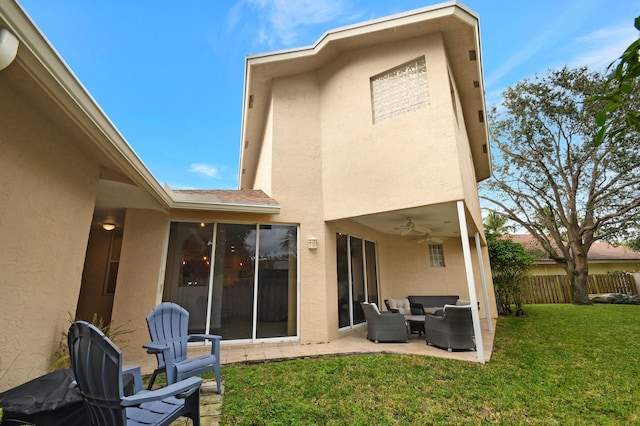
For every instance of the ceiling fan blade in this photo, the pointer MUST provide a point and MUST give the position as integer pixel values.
(423, 229)
(405, 231)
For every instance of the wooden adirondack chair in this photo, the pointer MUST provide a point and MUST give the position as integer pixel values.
(168, 327)
(97, 366)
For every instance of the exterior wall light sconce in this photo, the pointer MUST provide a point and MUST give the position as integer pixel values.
(108, 226)
(8, 48)
(312, 243)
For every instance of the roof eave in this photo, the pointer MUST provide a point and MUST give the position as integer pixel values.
(226, 207)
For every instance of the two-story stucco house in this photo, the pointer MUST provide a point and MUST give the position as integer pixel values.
(360, 158)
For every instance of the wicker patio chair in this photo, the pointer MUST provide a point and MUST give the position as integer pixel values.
(385, 327)
(451, 330)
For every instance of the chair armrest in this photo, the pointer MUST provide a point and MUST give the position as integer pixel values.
(215, 342)
(416, 308)
(155, 348)
(211, 337)
(393, 310)
(181, 389)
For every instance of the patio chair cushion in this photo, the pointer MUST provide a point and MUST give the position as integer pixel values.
(400, 305)
(461, 302)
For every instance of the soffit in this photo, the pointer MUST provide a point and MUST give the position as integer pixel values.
(460, 33)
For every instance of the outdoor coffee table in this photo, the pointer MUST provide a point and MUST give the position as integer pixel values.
(416, 319)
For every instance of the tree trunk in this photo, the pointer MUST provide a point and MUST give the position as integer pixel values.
(579, 283)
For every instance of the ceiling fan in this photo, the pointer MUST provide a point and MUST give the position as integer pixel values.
(410, 227)
(427, 237)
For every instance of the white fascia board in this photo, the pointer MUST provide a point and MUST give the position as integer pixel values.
(347, 31)
(226, 207)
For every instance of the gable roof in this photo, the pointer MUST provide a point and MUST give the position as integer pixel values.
(600, 251)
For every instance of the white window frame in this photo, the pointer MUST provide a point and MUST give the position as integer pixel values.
(436, 255)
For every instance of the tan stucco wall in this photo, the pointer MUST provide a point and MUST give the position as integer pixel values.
(264, 168)
(404, 158)
(47, 193)
(140, 274)
(297, 185)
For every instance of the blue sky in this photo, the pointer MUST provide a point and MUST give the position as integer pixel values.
(169, 74)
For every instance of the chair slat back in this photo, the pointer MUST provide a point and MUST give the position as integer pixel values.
(97, 365)
(168, 324)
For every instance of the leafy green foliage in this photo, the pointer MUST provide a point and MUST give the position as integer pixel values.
(561, 364)
(552, 179)
(633, 243)
(617, 119)
(511, 264)
(495, 225)
(113, 332)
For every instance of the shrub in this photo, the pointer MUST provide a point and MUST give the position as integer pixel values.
(113, 332)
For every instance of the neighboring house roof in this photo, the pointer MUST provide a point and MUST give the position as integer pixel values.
(600, 251)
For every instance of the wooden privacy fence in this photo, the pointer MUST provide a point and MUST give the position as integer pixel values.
(557, 288)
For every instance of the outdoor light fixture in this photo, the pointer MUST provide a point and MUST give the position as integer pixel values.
(8, 48)
(312, 243)
(108, 226)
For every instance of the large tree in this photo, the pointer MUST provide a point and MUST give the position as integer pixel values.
(552, 178)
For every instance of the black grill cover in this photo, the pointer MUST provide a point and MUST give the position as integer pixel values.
(45, 401)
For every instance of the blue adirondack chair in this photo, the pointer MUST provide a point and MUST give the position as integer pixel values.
(97, 366)
(168, 327)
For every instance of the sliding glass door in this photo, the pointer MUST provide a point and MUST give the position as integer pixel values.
(248, 291)
(357, 278)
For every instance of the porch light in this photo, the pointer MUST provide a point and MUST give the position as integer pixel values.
(312, 243)
(8, 48)
(108, 226)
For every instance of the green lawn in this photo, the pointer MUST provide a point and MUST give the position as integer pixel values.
(561, 364)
